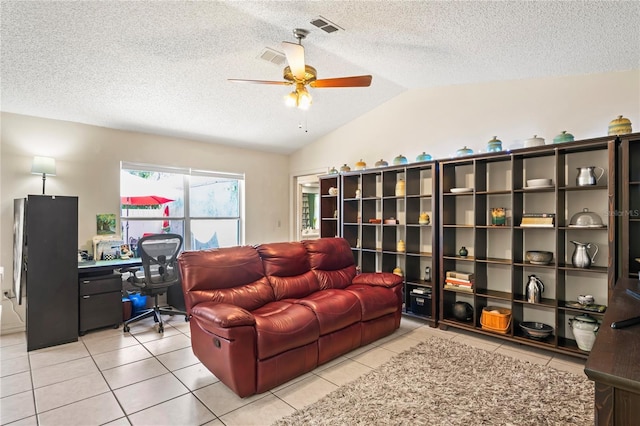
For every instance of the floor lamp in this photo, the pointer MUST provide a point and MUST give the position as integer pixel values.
(45, 166)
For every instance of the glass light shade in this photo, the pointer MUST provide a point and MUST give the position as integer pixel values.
(304, 99)
(291, 100)
(44, 165)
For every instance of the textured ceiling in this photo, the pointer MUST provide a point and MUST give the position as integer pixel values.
(162, 67)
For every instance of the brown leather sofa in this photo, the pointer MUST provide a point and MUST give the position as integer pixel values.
(263, 315)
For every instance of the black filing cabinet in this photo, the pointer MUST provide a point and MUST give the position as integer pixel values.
(100, 302)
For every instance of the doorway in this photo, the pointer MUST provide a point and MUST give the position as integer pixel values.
(307, 207)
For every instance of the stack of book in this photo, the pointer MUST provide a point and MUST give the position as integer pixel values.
(462, 281)
(538, 220)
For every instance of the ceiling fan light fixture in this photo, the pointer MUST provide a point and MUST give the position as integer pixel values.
(291, 100)
(304, 99)
(300, 98)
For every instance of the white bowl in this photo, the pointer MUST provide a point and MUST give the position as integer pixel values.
(461, 190)
(538, 182)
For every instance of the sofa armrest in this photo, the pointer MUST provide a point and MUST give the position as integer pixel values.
(222, 315)
(382, 279)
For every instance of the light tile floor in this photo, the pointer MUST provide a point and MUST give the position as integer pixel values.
(146, 378)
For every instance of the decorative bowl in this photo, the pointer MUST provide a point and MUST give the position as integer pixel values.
(400, 159)
(586, 299)
(360, 165)
(563, 137)
(620, 126)
(423, 157)
(539, 257)
(461, 190)
(536, 330)
(538, 182)
(464, 151)
(494, 145)
(534, 141)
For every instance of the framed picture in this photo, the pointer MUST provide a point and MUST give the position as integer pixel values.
(106, 224)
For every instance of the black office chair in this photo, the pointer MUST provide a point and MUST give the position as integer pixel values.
(159, 254)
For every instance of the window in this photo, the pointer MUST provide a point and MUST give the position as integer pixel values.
(204, 207)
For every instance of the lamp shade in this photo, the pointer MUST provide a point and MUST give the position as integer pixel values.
(44, 165)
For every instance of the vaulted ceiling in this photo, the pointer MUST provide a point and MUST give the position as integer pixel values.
(162, 67)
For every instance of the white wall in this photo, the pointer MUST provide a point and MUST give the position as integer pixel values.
(443, 119)
(88, 162)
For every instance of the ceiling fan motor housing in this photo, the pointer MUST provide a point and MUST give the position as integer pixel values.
(310, 75)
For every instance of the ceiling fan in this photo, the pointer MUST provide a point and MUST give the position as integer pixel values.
(301, 75)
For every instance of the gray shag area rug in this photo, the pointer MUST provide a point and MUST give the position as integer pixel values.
(440, 382)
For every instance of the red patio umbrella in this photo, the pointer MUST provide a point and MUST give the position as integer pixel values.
(144, 200)
(137, 191)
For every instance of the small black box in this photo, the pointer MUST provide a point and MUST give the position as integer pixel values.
(421, 302)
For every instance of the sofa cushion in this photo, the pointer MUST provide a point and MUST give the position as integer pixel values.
(332, 261)
(287, 267)
(281, 326)
(334, 308)
(232, 275)
(375, 301)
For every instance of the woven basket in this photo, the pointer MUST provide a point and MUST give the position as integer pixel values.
(496, 319)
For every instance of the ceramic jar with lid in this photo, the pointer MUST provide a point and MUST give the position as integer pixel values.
(398, 271)
(424, 218)
(332, 171)
(620, 126)
(400, 188)
(360, 165)
(381, 163)
(584, 328)
(563, 137)
(494, 145)
(423, 157)
(464, 151)
(345, 168)
(534, 141)
(399, 160)
(401, 247)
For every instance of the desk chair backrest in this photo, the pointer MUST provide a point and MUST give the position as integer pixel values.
(159, 254)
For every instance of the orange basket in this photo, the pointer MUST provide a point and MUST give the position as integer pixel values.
(496, 319)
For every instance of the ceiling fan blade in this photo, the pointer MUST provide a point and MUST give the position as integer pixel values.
(295, 58)
(355, 81)
(279, 83)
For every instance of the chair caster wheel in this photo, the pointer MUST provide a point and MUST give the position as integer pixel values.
(186, 319)
(125, 329)
(116, 326)
(161, 329)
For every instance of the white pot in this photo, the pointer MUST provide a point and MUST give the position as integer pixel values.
(584, 328)
(534, 141)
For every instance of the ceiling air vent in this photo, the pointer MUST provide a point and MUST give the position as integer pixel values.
(326, 25)
(272, 56)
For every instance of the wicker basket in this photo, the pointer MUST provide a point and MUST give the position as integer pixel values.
(496, 319)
